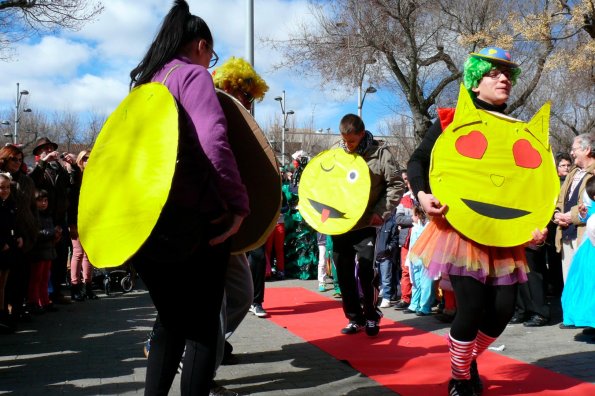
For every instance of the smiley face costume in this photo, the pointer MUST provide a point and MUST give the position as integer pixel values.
(498, 179)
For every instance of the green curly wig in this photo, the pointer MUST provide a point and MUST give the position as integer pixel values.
(237, 75)
(474, 70)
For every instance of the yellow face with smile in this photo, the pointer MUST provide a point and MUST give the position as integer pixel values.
(334, 191)
(496, 174)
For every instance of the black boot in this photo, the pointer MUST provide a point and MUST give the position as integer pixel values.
(89, 292)
(75, 292)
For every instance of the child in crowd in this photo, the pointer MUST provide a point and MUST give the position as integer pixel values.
(9, 242)
(578, 304)
(422, 291)
(42, 254)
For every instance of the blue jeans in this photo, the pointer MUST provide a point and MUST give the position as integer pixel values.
(385, 268)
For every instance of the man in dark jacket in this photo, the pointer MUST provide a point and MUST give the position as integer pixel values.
(58, 175)
(357, 245)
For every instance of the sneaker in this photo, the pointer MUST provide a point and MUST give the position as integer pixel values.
(372, 327)
(321, 287)
(351, 328)
(337, 295)
(217, 390)
(258, 310)
(147, 347)
(476, 383)
(460, 388)
(385, 303)
(536, 321)
(401, 305)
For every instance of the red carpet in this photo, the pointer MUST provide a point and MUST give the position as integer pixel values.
(404, 359)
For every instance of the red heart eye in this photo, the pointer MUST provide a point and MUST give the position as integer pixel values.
(525, 155)
(473, 145)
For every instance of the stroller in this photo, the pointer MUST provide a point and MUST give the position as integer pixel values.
(111, 279)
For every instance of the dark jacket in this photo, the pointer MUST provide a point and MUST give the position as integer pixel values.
(8, 233)
(60, 185)
(387, 239)
(44, 248)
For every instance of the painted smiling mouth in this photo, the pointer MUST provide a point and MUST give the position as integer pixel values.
(326, 212)
(494, 211)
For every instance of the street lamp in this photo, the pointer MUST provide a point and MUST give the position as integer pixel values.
(368, 90)
(17, 115)
(286, 114)
(360, 96)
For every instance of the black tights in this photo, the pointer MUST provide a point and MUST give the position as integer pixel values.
(481, 307)
(167, 348)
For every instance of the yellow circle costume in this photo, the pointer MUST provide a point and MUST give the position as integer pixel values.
(497, 174)
(129, 175)
(334, 191)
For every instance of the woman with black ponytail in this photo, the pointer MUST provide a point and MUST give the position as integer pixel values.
(183, 262)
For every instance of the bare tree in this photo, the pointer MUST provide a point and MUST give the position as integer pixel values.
(66, 129)
(22, 18)
(95, 123)
(416, 48)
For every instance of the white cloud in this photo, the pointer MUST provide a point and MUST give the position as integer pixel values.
(88, 70)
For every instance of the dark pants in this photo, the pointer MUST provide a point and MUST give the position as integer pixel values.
(185, 278)
(531, 298)
(257, 261)
(481, 307)
(17, 284)
(58, 271)
(554, 262)
(347, 248)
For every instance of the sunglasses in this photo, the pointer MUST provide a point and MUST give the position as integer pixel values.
(495, 74)
(15, 159)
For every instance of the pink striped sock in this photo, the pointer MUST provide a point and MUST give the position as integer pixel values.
(460, 357)
(482, 342)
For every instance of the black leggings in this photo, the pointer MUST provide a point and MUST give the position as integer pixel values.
(481, 307)
(167, 348)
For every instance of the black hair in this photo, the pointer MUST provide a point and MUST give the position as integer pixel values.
(351, 123)
(178, 28)
(41, 194)
(563, 156)
(419, 212)
(590, 187)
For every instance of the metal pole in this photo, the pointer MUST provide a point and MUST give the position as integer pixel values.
(283, 107)
(16, 117)
(359, 100)
(250, 31)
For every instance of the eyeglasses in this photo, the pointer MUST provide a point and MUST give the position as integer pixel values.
(15, 159)
(214, 57)
(248, 97)
(495, 74)
(564, 166)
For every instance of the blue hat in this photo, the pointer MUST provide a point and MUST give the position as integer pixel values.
(496, 55)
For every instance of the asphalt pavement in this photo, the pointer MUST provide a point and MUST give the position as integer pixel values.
(95, 348)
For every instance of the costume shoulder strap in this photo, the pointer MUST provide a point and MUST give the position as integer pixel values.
(174, 67)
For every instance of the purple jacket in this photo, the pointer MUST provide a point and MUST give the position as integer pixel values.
(192, 86)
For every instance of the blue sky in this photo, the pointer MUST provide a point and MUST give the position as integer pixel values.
(88, 70)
